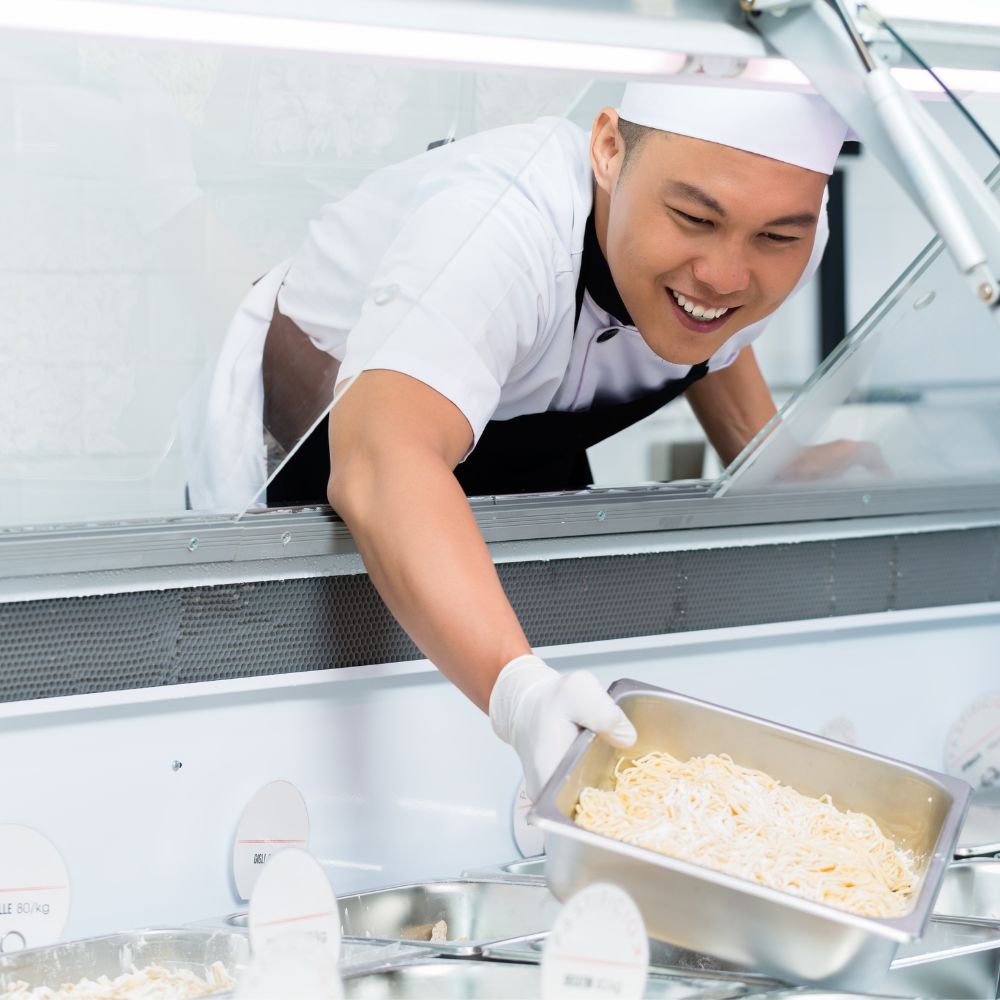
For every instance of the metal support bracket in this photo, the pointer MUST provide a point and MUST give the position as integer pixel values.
(890, 121)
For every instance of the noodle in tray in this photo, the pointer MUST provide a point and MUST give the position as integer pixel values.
(713, 812)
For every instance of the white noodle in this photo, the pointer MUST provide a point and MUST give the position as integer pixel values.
(715, 813)
(153, 982)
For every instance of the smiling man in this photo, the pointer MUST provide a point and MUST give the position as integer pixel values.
(486, 312)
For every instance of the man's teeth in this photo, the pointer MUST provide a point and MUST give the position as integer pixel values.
(699, 312)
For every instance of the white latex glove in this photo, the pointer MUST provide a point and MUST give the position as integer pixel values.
(539, 713)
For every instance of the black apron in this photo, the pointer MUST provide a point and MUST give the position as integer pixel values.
(534, 453)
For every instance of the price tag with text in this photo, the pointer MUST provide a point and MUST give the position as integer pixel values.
(34, 889)
(293, 899)
(274, 819)
(598, 948)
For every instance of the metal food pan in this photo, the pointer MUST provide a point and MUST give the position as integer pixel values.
(971, 889)
(477, 912)
(980, 835)
(462, 979)
(739, 921)
(954, 958)
(114, 954)
(523, 869)
(958, 954)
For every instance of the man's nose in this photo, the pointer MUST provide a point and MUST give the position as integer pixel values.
(724, 269)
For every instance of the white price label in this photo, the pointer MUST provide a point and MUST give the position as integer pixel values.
(293, 897)
(598, 948)
(34, 889)
(274, 819)
(292, 966)
(973, 748)
(528, 839)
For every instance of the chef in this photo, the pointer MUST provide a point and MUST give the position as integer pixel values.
(482, 314)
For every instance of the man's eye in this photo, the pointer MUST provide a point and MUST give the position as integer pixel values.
(778, 238)
(693, 219)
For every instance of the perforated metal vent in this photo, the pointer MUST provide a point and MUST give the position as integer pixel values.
(74, 645)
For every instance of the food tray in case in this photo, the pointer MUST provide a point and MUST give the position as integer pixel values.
(435, 978)
(734, 919)
(478, 913)
(521, 870)
(115, 954)
(971, 888)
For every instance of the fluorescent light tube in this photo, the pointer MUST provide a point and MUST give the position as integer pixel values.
(255, 31)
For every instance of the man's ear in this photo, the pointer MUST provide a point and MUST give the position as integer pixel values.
(607, 149)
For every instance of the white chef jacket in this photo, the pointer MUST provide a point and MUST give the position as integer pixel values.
(459, 268)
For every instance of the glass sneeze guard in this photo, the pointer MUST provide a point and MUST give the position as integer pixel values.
(916, 385)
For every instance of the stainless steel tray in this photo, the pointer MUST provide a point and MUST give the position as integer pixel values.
(955, 958)
(478, 913)
(980, 836)
(522, 870)
(710, 912)
(445, 978)
(971, 888)
(114, 954)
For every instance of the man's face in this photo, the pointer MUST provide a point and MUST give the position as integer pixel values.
(696, 224)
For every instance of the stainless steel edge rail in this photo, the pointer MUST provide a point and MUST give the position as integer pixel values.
(190, 545)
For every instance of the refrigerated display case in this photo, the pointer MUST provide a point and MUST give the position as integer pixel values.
(161, 664)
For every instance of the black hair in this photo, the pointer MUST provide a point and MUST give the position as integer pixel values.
(633, 136)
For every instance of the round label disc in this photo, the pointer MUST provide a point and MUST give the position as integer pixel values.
(598, 948)
(275, 818)
(293, 897)
(973, 748)
(34, 889)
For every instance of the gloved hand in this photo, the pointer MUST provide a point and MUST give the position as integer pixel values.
(539, 711)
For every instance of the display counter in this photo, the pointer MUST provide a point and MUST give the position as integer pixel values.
(160, 665)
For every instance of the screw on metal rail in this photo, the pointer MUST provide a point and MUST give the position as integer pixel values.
(193, 544)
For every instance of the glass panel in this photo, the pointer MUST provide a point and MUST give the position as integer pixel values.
(395, 274)
(145, 188)
(913, 395)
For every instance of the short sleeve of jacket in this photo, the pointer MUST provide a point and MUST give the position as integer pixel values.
(462, 297)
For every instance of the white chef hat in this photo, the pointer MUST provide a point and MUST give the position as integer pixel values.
(801, 129)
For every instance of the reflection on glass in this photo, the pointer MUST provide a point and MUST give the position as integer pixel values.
(145, 189)
(911, 397)
(410, 272)
(913, 394)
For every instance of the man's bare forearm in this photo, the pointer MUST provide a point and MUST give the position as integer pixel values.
(732, 405)
(423, 549)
